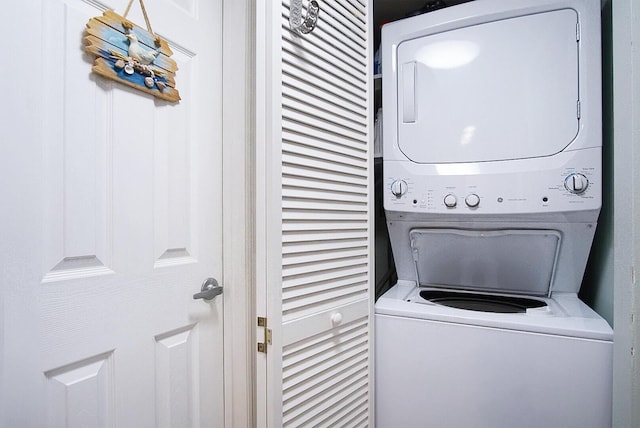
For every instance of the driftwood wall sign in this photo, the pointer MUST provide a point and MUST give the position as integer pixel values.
(128, 54)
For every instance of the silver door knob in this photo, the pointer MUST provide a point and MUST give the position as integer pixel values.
(209, 289)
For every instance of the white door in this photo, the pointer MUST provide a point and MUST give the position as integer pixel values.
(315, 216)
(111, 221)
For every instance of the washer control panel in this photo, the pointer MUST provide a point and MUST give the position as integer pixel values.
(566, 188)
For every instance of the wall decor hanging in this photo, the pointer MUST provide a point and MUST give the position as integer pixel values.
(128, 54)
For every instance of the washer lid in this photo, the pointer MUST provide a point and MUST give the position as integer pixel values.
(519, 261)
(501, 90)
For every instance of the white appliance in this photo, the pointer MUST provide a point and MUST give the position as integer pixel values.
(492, 170)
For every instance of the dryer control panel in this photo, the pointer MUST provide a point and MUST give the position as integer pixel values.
(565, 182)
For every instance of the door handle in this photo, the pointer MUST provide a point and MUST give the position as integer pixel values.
(409, 92)
(209, 290)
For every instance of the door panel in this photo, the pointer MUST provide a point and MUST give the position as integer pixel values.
(318, 295)
(121, 224)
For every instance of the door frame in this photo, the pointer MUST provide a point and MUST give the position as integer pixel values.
(238, 233)
(268, 205)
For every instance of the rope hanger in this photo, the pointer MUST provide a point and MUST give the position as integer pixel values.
(146, 20)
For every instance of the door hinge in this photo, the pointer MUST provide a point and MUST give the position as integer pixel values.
(262, 346)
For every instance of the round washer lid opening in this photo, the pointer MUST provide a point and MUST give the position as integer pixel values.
(481, 302)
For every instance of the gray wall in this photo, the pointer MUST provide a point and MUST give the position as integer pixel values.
(625, 32)
(609, 283)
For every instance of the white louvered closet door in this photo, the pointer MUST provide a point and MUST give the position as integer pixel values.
(316, 218)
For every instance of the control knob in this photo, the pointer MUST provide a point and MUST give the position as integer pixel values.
(399, 188)
(576, 183)
(450, 201)
(472, 200)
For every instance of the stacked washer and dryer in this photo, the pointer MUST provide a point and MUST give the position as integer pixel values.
(492, 171)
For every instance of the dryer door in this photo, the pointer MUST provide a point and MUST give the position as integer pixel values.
(501, 90)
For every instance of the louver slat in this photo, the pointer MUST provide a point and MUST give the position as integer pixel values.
(323, 152)
(337, 31)
(321, 169)
(326, 215)
(328, 42)
(294, 215)
(331, 61)
(325, 109)
(307, 146)
(326, 277)
(319, 82)
(296, 181)
(326, 178)
(311, 233)
(302, 116)
(331, 290)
